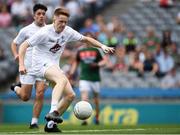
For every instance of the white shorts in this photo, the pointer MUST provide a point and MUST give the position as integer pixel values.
(30, 79)
(89, 86)
(40, 70)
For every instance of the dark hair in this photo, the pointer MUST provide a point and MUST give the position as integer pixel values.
(39, 6)
(61, 11)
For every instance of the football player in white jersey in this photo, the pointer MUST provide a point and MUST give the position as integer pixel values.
(49, 43)
(26, 82)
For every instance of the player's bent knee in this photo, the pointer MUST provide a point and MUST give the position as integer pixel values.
(61, 81)
(25, 97)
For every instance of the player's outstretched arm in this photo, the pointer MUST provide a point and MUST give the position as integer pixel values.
(22, 50)
(92, 42)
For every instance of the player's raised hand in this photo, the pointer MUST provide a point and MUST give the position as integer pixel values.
(107, 49)
(22, 69)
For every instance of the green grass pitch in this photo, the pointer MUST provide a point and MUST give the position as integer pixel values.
(9, 129)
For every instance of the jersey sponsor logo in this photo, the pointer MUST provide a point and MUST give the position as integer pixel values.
(56, 47)
(88, 54)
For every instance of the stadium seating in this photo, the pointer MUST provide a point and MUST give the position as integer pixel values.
(8, 67)
(146, 14)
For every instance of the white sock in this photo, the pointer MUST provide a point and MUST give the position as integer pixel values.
(16, 87)
(50, 124)
(53, 107)
(34, 120)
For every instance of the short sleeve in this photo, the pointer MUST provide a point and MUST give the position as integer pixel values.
(74, 35)
(20, 38)
(37, 39)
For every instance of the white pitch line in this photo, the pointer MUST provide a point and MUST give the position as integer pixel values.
(77, 131)
(103, 130)
(82, 131)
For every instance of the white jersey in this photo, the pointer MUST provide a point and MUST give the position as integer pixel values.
(24, 34)
(49, 46)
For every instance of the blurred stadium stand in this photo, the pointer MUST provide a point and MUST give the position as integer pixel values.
(8, 67)
(141, 15)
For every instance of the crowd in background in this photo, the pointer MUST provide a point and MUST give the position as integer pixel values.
(18, 12)
(150, 54)
(154, 54)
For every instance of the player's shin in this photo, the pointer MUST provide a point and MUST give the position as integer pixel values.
(69, 96)
(64, 103)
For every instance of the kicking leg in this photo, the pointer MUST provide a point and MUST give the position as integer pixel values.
(62, 106)
(56, 75)
(67, 99)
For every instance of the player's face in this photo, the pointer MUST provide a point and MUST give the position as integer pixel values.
(60, 22)
(39, 17)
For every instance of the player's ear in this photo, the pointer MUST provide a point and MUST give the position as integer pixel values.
(34, 16)
(54, 18)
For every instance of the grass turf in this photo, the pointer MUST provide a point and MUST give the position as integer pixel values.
(92, 129)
